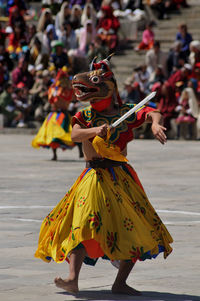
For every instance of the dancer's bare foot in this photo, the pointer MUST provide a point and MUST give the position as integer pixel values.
(68, 285)
(124, 289)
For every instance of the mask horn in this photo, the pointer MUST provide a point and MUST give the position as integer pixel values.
(109, 57)
(92, 63)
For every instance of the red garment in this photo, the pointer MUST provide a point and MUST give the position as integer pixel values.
(123, 132)
(14, 41)
(60, 93)
(18, 75)
(110, 40)
(16, 19)
(109, 21)
(178, 76)
(167, 106)
(143, 46)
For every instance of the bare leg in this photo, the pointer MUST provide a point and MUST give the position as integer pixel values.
(120, 286)
(71, 283)
(54, 158)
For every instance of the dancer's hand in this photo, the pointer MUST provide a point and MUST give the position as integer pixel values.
(102, 130)
(158, 132)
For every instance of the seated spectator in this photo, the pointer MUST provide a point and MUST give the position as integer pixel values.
(142, 77)
(188, 112)
(157, 77)
(68, 37)
(44, 20)
(39, 96)
(49, 35)
(58, 57)
(131, 92)
(181, 75)
(185, 38)
(8, 107)
(147, 38)
(108, 26)
(21, 73)
(176, 58)
(31, 32)
(15, 16)
(167, 104)
(155, 57)
(194, 56)
(75, 18)
(97, 49)
(89, 13)
(161, 8)
(22, 104)
(38, 53)
(63, 16)
(15, 39)
(86, 37)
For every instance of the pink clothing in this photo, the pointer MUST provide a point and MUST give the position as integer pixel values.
(147, 36)
(187, 115)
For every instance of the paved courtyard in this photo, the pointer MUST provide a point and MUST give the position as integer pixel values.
(31, 184)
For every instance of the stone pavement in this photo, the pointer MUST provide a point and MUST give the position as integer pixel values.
(30, 184)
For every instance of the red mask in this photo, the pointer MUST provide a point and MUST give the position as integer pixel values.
(102, 104)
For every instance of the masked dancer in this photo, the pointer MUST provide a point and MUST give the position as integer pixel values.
(106, 213)
(56, 129)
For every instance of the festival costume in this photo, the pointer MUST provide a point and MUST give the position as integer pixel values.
(106, 210)
(55, 131)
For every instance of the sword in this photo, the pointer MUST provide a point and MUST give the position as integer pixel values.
(133, 110)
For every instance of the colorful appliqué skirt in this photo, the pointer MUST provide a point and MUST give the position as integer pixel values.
(55, 132)
(106, 211)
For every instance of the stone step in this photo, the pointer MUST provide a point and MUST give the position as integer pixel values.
(165, 31)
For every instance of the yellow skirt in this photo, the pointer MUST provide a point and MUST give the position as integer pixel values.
(55, 132)
(108, 212)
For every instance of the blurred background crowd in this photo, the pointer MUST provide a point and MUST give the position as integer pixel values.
(36, 41)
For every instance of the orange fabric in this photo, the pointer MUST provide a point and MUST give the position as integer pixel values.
(60, 119)
(93, 248)
(144, 46)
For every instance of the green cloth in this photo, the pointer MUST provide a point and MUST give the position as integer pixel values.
(7, 106)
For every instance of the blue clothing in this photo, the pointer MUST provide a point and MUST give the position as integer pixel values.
(185, 41)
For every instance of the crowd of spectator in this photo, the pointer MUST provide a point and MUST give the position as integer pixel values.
(35, 44)
(175, 76)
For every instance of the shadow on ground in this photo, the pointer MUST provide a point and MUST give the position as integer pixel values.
(66, 160)
(146, 296)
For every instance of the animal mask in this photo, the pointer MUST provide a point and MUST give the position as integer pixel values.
(97, 86)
